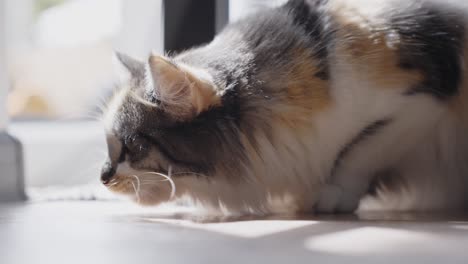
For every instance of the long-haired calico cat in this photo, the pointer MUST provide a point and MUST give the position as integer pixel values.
(308, 107)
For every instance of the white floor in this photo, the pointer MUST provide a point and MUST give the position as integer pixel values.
(115, 232)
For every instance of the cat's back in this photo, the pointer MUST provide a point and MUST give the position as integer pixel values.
(412, 46)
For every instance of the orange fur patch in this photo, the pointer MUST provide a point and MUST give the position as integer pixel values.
(183, 92)
(370, 47)
(304, 88)
(306, 93)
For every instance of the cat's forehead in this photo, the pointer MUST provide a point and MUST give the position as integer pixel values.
(129, 114)
(114, 107)
(124, 113)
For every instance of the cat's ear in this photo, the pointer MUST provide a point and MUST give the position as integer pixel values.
(129, 66)
(182, 92)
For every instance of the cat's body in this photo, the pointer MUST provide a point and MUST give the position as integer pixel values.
(307, 107)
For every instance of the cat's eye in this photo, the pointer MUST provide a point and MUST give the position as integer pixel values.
(160, 147)
(123, 152)
(135, 144)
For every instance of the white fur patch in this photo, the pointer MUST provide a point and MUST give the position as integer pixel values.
(113, 108)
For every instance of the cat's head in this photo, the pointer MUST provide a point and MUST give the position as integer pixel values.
(169, 131)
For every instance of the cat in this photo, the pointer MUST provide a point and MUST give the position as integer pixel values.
(322, 106)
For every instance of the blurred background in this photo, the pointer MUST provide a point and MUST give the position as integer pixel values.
(59, 51)
(60, 73)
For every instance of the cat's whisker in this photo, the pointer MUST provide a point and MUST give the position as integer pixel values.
(138, 181)
(168, 178)
(136, 192)
(113, 184)
(189, 172)
(137, 188)
(151, 181)
(112, 180)
(148, 184)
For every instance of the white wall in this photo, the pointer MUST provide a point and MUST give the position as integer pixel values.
(3, 75)
(240, 8)
(19, 20)
(142, 28)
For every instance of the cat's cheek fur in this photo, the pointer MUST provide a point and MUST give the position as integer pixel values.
(142, 187)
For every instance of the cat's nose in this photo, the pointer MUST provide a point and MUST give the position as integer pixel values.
(107, 173)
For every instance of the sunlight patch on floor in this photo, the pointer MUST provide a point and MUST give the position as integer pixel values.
(244, 229)
(463, 227)
(367, 240)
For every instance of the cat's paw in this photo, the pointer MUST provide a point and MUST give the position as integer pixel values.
(348, 203)
(333, 199)
(329, 198)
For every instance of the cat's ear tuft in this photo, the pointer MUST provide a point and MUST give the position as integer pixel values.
(183, 92)
(127, 64)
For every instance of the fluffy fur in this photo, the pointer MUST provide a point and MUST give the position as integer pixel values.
(308, 107)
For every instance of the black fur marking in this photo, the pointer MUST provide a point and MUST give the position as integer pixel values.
(168, 155)
(367, 132)
(431, 42)
(136, 147)
(310, 16)
(123, 152)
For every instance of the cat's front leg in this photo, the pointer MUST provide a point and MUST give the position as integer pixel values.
(335, 199)
(343, 194)
(329, 198)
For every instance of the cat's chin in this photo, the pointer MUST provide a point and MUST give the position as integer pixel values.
(151, 199)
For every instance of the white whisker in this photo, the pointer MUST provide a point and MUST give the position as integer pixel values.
(112, 184)
(138, 181)
(168, 178)
(153, 181)
(137, 193)
(189, 172)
